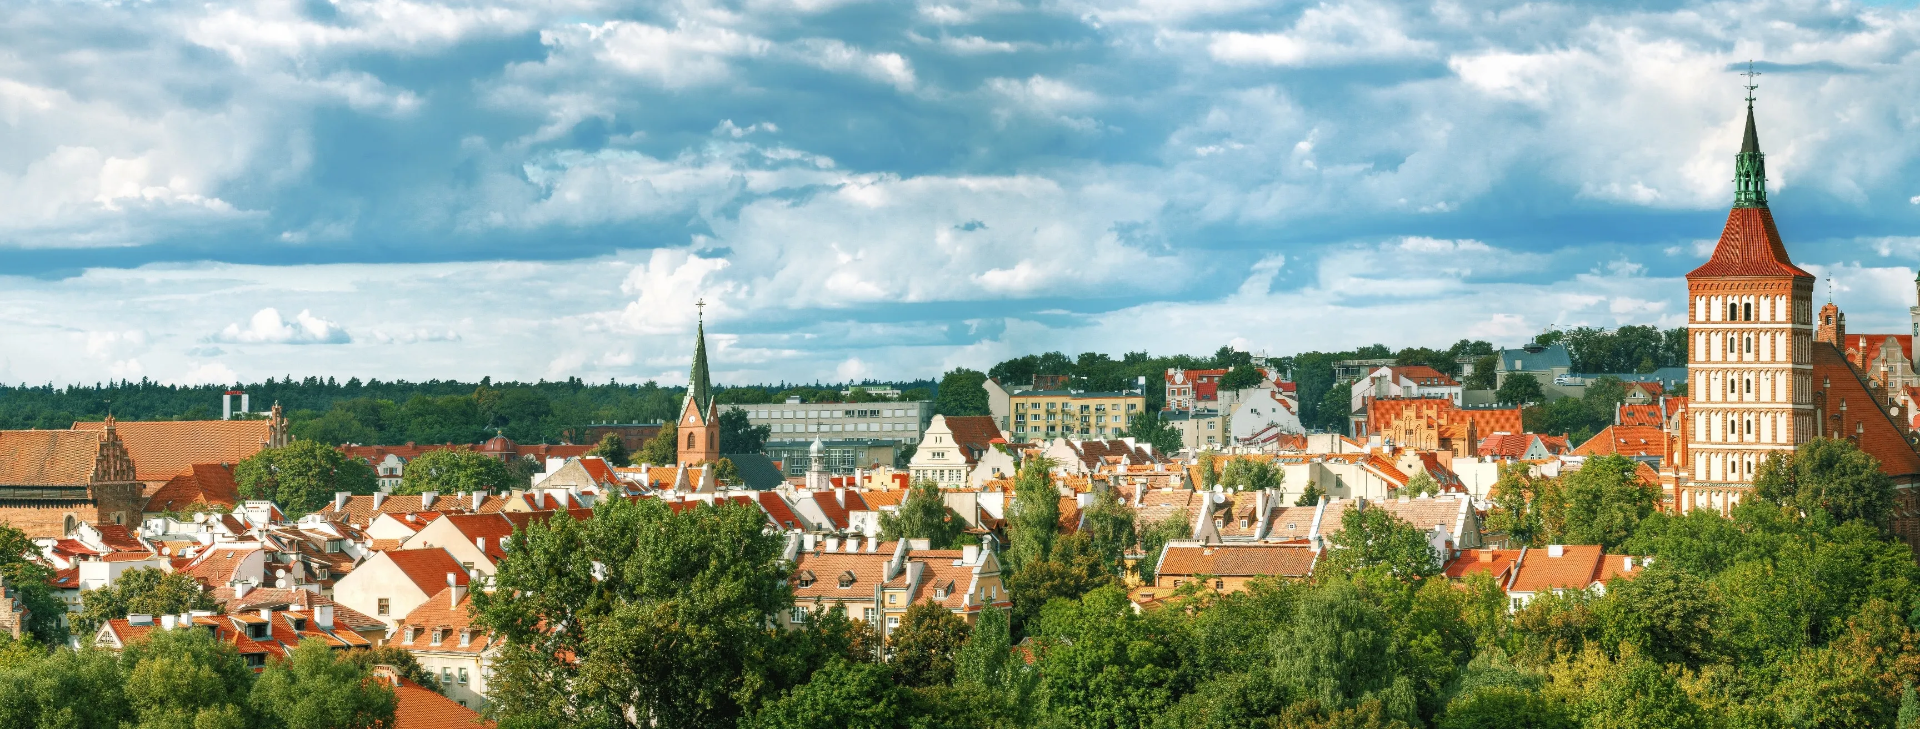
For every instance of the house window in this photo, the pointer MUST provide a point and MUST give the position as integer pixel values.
(867, 614)
(893, 621)
(437, 635)
(893, 598)
(1219, 584)
(382, 608)
(446, 675)
(797, 615)
(463, 677)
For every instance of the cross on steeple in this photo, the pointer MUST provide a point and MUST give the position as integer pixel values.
(701, 305)
(1750, 74)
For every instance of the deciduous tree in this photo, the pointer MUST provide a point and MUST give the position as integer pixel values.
(301, 476)
(923, 514)
(144, 591)
(316, 688)
(613, 450)
(451, 471)
(923, 647)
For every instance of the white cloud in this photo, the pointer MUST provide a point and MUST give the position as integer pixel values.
(267, 327)
(206, 373)
(1325, 35)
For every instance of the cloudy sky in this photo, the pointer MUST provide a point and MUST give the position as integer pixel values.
(204, 191)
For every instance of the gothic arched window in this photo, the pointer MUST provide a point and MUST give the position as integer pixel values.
(690, 440)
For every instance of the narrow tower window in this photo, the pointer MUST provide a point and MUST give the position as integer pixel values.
(1747, 311)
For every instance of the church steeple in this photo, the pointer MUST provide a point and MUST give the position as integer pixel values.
(699, 383)
(1750, 166)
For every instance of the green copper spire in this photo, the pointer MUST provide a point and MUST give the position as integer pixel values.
(700, 384)
(1750, 166)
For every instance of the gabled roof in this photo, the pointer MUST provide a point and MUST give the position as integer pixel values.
(1574, 569)
(1497, 562)
(1749, 245)
(1238, 560)
(162, 448)
(494, 528)
(427, 568)
(201, 483)
(417, 707)
(1627, 440)
(1864, 422)
(48, 457)
(974, 434)
(1647, 415)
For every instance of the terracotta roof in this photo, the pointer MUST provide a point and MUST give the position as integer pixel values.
(1424, 375)
(1238, 560)
(1289, 523)
(875, 500)
(778, 512)
(1498, 562)
(47, 457)
(1485, 420)
(1867, 347)
(427, 568)
(162, 448)
(217, 566)
(941, 574)
(442, 612)
(1749, 246)
(279, 598)
(200, 483)
(1626, 440)
(495, 528)
(974, 434)
(416, 707)
(1864, 422)
(1574, 569)
(118, 538)
(822, 572)
(1648, 415)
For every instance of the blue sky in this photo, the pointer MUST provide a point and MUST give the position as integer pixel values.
(205, 191)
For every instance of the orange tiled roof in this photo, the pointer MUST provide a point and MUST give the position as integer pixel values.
(1626, 440)
(428, 568)
(48, 457)
(1498, 562)
(162, 448)
(443, 612)
(1239, 560)
(1865, 423)
(1749, 245)
(1574, 569)
(201, 483)
(1645, 415)
(417, 707)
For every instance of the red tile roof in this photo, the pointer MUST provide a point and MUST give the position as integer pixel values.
(1749, 245)
(1239, 560)
(974, 434)
(48, 457)
(1497, 562)
(162, 448)
(416, 707)
(1574, 569)
(1626, 440)
(778, 511)
(494, 528)
(1864, 422)
(1424, 375)
(1648, 415)
(1867, 347)
(428, 568)
(201, 483)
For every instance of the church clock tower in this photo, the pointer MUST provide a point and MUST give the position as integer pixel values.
(1750, 358)
(699, 426)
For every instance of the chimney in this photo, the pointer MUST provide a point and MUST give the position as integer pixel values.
(323, 616)
(244, 408)
(872, 542)
(169, 622)
(455, 590)
(241, 589)
(840, 497)
(481, 544)
(833, 544)
(427, 498)
(970, 554)
(853, 545)
(1486, 555)
(1627, 565)
(379, 497)
(139, 619)
(1556, 550)
(340, 500)
(226, 406)
(807, 543)
(267, 615)
(479, 497)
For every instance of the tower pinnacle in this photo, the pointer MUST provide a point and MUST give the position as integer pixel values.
(1750, 166)
(699, 383)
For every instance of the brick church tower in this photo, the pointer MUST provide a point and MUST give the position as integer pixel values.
(1750, 362)
(699, 426)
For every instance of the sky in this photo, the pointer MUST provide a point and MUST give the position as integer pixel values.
(209, 192)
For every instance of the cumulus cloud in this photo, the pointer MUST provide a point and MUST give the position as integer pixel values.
(266, 327)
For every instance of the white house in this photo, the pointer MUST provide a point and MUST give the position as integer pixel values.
(392, 583)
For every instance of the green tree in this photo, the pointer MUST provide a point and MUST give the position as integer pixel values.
(662, 449)
(1335, 408)
(1242, 473)
(317, 689)
(1520, 388)
(186, 679)
(335, 427)
(923, 515)
(1147, 427)
(1108, 526)
(1072, 571)
(1636, 693)
(738, 434)
(1033, 522)
(1422, 484)
(1606, 501)
(638, 616)
(301, 476)
(66, 688)
(451, 471)
(1376, 539)
(924, 645)
(1339, 650)
(962, 392)
(1240, 378)
(1831, 475)
(842, 694)
(1178, 525)
(143, 591)
(31, 582)
(1310, 495)
(1506, 708)
(613, 450)
(400, 660)
(1104, 665)
(726, 471)
(1665, 614)
(1486, 370)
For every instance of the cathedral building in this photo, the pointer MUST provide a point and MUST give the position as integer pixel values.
(1766, 374)
(699, 425)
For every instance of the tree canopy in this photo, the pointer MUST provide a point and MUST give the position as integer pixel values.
(302, 476)
(456, 471)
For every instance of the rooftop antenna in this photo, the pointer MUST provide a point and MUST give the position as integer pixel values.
(1750, 74)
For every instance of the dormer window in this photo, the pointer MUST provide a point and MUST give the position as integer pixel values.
(412, 632)
(805, 578)
(466, 639)
(438, 633)
(258, 631)
(846, 579)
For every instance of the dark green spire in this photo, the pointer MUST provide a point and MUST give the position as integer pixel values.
(699, 384)
(1750, 166)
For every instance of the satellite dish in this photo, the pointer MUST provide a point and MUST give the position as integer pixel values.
(280, 583)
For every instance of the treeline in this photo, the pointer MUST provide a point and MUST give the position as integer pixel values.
(1629, 349)
(1797, 611)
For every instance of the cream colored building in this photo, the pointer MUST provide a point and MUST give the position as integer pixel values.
(1047, 414)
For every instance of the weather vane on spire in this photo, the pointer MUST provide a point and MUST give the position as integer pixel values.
(1750, 74)
(701, 304)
